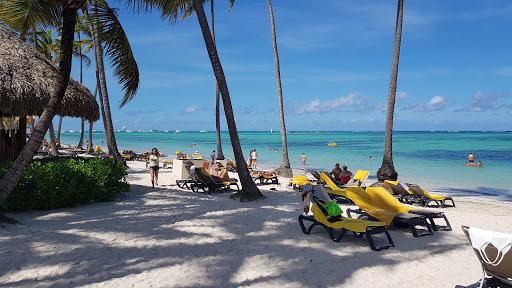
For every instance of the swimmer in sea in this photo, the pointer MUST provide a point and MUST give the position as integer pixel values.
(471, 158)
(480, 164)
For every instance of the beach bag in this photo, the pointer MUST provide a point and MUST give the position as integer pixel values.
(329, 208)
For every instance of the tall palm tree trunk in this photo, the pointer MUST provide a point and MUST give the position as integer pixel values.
(53, 141)
(58, 131)
(98, 56)
(284, 170)
(82, 132)
(90, 149)
(387, 170)
(220, 154)
(15, 173)
(249, 190)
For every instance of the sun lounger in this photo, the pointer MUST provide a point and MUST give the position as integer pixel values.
(264, 177)
(334, 191)
(315, 174)
(231, 165)
(359, 227)
(206, 182)
(197, 156)
(299, 181)
(399, 191)
(359, 178)
(428, 198)
(390, 203)
(369, 208)
(493, 250)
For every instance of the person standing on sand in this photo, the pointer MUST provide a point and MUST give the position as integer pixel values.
(336, 172)
(249, 161)
(213, 157)
(254, 159)
(303, 159)
(154, 157)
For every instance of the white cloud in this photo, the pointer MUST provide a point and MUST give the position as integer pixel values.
(435, 104)
(402, 95)
(353, 99)
(482, 102)
(191, 109)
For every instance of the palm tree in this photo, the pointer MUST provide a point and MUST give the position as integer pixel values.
(107, 30)
(387, 170)
(220, 154)
(285, 169)
(43, 12)
(69, 11)
(188, 12)
(249, 190)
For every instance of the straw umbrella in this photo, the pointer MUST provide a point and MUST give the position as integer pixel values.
(27, 80)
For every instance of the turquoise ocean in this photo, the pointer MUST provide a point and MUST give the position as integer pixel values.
(435, 160)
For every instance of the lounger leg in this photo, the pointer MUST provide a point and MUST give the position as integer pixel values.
(436, 227)
(343, 231)
(379, 230)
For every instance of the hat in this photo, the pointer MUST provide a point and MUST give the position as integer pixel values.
(344, 167)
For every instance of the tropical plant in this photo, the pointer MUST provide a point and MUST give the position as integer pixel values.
(62, 182)
(387, 170)
(68, 11)
(285, 169)
(46, 12)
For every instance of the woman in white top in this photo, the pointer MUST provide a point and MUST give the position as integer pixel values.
(154, 157)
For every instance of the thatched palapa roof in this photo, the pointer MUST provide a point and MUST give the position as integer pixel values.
(27, 81)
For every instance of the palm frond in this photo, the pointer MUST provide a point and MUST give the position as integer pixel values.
(23, 15)
(118, 50)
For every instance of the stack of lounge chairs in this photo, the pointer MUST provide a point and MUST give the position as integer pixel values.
(416, 195)
(264, 177)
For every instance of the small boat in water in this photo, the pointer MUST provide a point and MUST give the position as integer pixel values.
(202, 131)
(332, 144)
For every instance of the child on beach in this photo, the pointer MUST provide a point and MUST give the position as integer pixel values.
(154, 157)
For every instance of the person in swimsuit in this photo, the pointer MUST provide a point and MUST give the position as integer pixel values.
(219, 173)
(345, 175)
(336, 172)
(254, 159)
(303, 159)
(471, 158)
(154, 157)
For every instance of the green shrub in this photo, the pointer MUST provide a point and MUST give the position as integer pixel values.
(62, 182)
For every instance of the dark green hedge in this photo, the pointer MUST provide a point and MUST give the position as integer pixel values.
(61, 182)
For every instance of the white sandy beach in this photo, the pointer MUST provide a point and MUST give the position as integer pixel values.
(170, 237)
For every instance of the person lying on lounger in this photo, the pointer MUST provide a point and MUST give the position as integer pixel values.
(219, 173)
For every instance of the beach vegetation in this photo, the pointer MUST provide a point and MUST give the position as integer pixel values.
(387, 170)
(64, 182)
(60, 13)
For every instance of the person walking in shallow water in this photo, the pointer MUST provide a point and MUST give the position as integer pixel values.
(154, 157)
(303, 159)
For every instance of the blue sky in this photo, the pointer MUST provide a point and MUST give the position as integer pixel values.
(455, 68)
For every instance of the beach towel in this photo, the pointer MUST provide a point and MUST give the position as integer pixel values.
(481, 238)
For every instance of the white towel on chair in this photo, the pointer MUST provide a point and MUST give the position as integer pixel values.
(480, 238)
